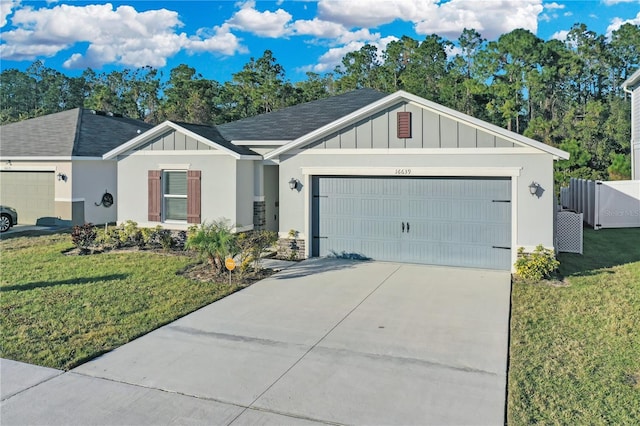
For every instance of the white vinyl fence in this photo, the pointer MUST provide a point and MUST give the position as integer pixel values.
(614, 204)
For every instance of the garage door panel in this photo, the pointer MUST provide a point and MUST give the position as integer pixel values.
(31, 193)
(448, 221)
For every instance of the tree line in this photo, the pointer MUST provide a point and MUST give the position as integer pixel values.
(566, 94)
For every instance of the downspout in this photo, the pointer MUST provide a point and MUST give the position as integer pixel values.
(632, 143)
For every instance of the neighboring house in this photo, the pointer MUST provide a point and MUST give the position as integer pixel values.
(51, 167)
(389, 177)
(632, 85)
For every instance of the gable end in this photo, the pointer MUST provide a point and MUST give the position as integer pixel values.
(407, 125)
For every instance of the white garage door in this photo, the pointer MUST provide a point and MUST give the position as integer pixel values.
(32, 194)
(439, 221)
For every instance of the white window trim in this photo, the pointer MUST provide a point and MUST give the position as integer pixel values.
(175, 196)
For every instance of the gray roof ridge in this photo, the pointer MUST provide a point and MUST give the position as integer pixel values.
(76, 136)
(287, 108)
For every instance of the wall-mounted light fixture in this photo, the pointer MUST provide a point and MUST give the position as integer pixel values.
(293, 184)
(62, 177)
(533, 188)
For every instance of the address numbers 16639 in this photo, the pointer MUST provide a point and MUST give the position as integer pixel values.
(402, 171)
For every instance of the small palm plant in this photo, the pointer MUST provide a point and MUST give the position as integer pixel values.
(214, 241)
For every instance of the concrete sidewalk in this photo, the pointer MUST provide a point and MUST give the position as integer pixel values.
(326, 341)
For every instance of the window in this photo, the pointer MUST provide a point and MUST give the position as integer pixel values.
(174, 194)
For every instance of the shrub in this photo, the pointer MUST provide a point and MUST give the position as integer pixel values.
(164, 237)
(251, 246)
(214, 241)
(108, 238)
(130, 235)
(537, 265)
(83, 236)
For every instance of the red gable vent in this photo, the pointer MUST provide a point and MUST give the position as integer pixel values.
(404, 125)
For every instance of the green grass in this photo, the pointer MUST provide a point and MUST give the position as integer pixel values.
(60, 311)
(575, 349)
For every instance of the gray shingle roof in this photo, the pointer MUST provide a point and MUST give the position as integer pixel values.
(211, 133)
(76, 132)
(292, 122)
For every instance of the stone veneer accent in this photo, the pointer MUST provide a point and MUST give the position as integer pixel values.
(287, 247)
(259, 215)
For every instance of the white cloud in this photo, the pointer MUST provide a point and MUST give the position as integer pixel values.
(614, 2)
(119, 36)
(6, 9)
(221, 41)
(560, 35)
(553, 6)
(264, 24)
(372, 13)
(489, 18)
(333, 57)
(319, 28)
(616, 23)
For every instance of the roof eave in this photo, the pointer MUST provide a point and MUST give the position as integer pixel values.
(159, 129)
(633, 81)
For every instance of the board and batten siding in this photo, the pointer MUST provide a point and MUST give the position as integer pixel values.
(174, 141)
(429, 130)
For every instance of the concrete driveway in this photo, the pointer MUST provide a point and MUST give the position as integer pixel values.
(326, 341)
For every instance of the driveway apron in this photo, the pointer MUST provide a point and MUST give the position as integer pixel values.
(327, 341)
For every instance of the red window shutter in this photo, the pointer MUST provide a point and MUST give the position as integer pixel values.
(155, 195)
(193, 196)
(404, 125)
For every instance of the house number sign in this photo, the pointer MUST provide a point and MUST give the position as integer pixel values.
(402, 171)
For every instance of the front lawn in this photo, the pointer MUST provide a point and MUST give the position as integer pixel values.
(60, 311)
(575, 347)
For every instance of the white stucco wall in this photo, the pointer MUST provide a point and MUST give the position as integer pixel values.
(89, 181)
(533, 219)
(224, 194)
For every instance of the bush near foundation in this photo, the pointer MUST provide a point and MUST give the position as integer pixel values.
(536, 266)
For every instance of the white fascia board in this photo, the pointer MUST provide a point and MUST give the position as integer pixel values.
(161, 128)
(417, 151)
(413, 171)
(19, 168)
(141, 138)
(53, 158)
(633, 81)
(260, 142)
(423, 103)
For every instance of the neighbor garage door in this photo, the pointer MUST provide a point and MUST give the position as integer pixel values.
(30, 193)
(439, 221)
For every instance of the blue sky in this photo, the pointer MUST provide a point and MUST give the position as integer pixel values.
(218, 37)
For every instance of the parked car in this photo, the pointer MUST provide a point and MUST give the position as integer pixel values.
(8, 218)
